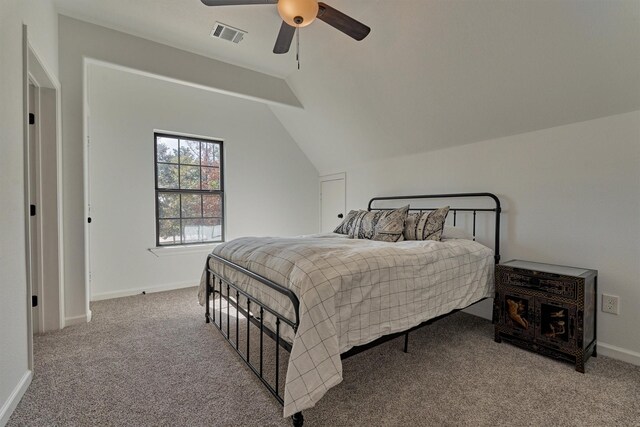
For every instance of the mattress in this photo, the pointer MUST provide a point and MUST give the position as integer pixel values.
(352, 292)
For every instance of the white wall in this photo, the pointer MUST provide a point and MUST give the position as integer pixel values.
(80, 40)
(40, 17)
(571, 196)
(270, 186)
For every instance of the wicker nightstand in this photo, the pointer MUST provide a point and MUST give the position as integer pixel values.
(549, 309)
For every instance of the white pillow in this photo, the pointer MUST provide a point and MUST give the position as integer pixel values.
(450, 232)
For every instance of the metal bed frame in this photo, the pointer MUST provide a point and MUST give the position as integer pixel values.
(255, 309)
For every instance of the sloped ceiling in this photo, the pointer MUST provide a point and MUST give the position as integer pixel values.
(432, 74)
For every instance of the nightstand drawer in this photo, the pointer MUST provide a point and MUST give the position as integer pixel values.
(561, 286)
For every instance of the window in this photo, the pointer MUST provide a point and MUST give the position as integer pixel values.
(189, 190)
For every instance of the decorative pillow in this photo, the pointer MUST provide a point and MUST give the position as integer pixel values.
(390, 226)
(456, 233)
(363, 224)
(426, 225)
(379, 225)
(346, 224)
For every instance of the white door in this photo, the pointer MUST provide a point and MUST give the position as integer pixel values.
(332, 202)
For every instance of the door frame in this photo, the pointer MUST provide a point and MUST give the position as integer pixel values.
(325, 178)
(37, 72)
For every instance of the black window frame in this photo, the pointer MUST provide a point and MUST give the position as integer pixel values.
(180, 191)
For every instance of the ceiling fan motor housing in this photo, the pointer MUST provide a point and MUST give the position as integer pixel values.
(298, 13)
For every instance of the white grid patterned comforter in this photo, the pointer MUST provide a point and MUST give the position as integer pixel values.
(352, 292)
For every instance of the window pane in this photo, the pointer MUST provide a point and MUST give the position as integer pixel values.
(167, 176)
(212, 205)
(210, 178)
(167, 150)
(212, 228)
(168, 205)
(192, 231)
(190, 177)
(169, 233)
(210, 154)
(191, 206)
(201, 230)
(189, 152)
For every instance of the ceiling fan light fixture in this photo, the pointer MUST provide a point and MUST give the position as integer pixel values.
(298, 13)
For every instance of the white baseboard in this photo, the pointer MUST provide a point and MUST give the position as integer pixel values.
(10, 405)
(619, 353)
(77, 320)
(138, 291)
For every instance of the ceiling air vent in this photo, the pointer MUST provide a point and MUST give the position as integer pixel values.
(225, 32)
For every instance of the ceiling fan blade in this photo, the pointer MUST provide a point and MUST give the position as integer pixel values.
(285, 37)
(343, 22)
(236, 2)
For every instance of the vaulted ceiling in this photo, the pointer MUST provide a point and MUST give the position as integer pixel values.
(431, 74)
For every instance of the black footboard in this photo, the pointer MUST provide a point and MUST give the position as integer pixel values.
(228, 297)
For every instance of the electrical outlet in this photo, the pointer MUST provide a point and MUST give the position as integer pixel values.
(610, 304)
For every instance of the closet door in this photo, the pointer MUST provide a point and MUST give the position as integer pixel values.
(332, 202)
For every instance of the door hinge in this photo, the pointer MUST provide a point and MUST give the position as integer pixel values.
(34, 300)
(32, 210)
(32, 119)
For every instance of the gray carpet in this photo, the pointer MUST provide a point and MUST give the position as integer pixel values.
(152, 361)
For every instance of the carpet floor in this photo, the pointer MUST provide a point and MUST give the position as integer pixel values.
(150, 360)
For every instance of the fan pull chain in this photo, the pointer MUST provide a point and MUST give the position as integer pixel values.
(298, 46)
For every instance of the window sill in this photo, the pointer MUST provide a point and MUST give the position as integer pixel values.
(182, 250)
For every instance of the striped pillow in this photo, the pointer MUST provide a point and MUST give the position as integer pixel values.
(426, 225)
(384, 226)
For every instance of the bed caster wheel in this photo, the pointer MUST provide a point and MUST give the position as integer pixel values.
(297, 419)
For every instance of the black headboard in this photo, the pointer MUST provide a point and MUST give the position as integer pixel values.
(496, 210)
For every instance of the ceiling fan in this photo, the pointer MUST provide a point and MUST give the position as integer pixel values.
(300, 13)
